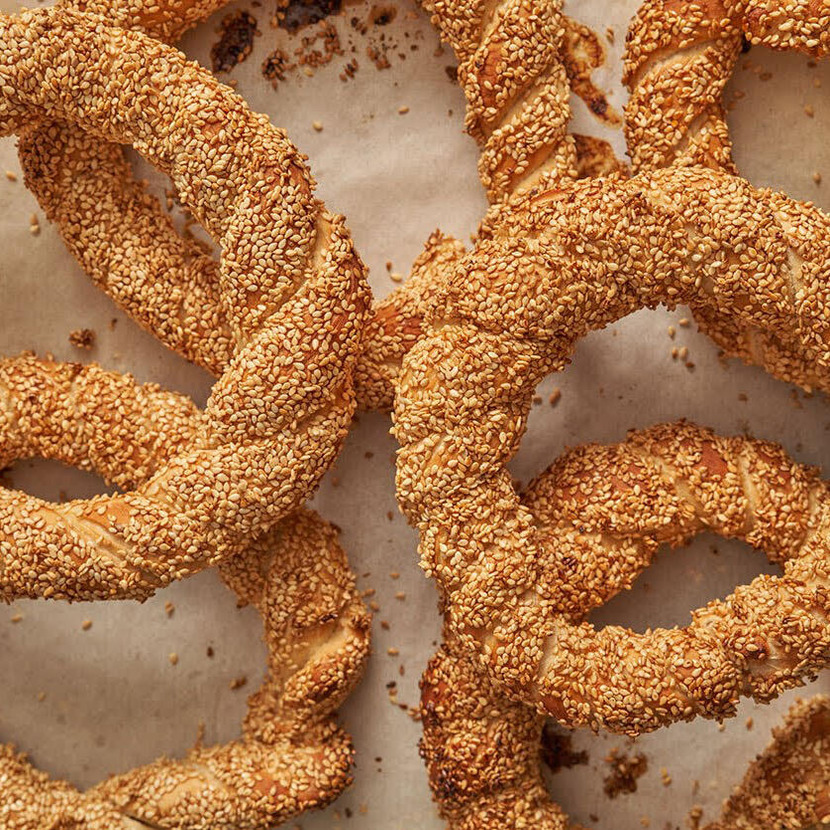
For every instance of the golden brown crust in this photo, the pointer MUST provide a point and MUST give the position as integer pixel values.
(601, 513)
(291, 756)
(680, 55)
(568, 261)
(288, 273)
(127, 243)
(788, 785)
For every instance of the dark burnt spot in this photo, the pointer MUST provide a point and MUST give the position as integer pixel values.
(275, 66)
(382, 15)
(452, 73)
(236, 40)
(557, 750)
(598, 106)
(300, 13)
(625, 770)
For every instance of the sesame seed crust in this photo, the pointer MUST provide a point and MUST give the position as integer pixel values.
(127, 243)
(289, 277)
(680, 55)
(568, 261)
(292, 755)
(601, 514)
(482, 750)
(788, 785)
(482, 756)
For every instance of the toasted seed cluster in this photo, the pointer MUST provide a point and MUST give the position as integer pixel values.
(292, 755)
(293, 287)
(680, 55)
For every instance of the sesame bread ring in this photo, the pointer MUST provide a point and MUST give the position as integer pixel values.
(124, 239)
(563, 262)
(680, 55)
(292, 756)
(601, 513)
(788, 784)
(292, 285)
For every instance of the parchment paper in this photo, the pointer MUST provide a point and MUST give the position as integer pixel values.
(111, 697)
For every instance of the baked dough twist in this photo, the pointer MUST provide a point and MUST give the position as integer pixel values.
(600, 513)
(126, 242)
(680, 55)
(292, 755)
(482, 755)
(788, 785)
(294, 288)
(564, 262)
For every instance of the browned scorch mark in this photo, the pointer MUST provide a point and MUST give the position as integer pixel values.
(582, 54)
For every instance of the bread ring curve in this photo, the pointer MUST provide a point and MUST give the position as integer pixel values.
(597, 533)
(277, 415)
(125, 241)
(680, 55)
(292, 756)
(557, 264)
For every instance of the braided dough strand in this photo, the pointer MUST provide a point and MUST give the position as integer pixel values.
(292, 756)
(92, 419)
(482, 749)
(572, 261)
(126, 242)
(289, 276)
(601, 513)
(680, 55)
(482, 756)
(510, 67)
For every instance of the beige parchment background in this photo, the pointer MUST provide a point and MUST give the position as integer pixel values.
(112, 697)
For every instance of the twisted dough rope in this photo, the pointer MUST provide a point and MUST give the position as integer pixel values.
(601, 512)
(680, 55)
(569, 261)
(289, 276)
(482, 754)
(292, 756)
(126, 242)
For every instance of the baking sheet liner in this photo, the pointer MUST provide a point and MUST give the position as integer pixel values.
(85, 703)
